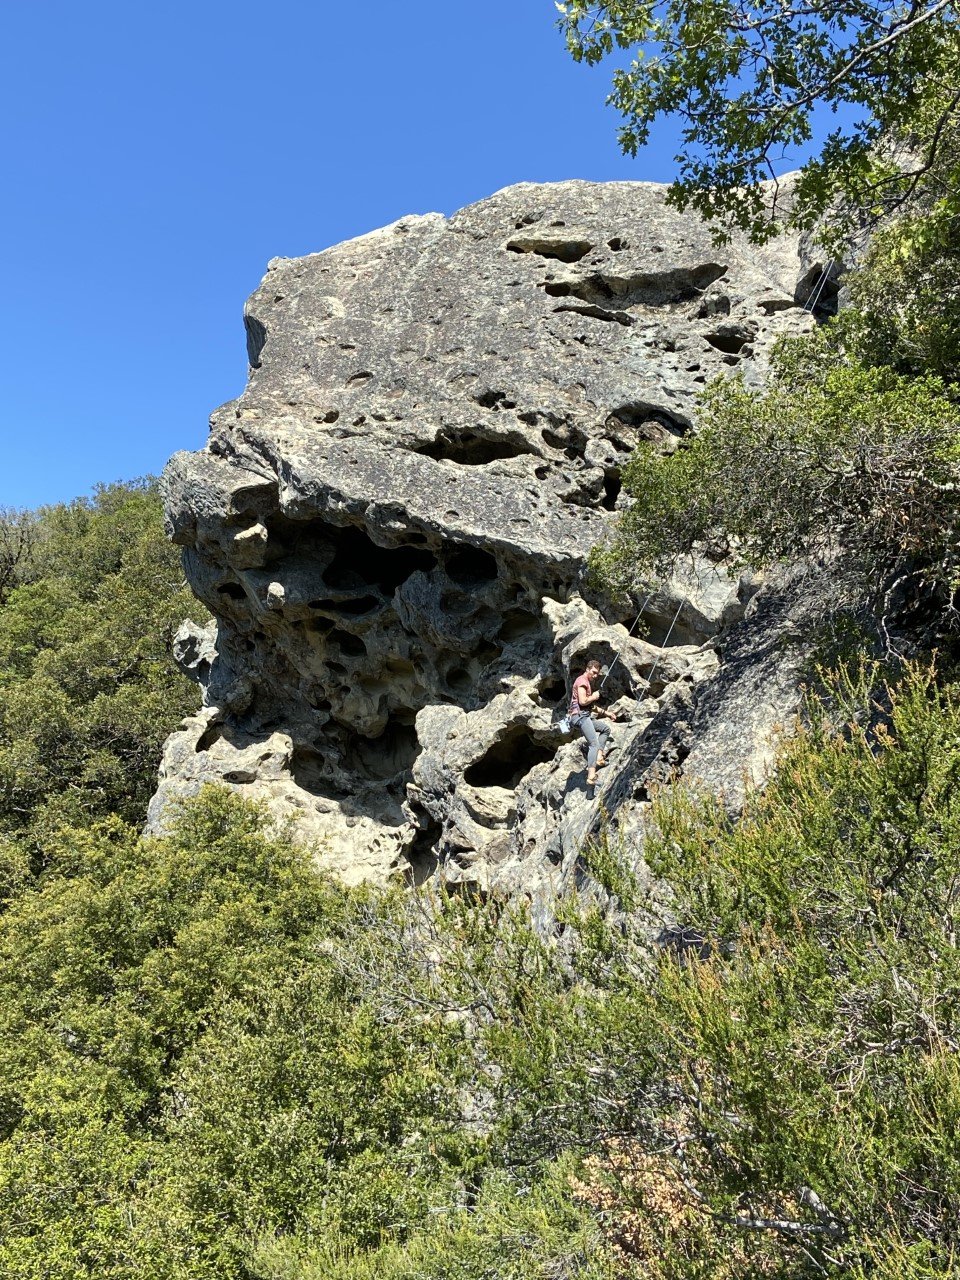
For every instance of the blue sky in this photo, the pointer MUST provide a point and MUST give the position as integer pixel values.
(157, 156)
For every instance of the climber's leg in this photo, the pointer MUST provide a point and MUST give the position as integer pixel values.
(589, 730)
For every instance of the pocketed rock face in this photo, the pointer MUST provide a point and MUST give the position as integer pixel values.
(390, 525)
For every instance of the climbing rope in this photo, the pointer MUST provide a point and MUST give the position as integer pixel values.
(666, 640)
(662, 647)
(597, 801)
(616, 657)
(814, 298)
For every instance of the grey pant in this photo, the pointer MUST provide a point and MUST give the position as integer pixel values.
(596, 733)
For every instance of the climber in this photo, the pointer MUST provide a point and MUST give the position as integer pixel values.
(582, 698)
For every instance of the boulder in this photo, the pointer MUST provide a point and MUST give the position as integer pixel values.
(391, 527)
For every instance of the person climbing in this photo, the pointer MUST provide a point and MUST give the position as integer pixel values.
(583, 697)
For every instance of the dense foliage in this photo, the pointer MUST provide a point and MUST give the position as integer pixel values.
(90, 595)
(216, 1063)
(905, 310)
(835, 459)
(744, 81)
(849, 457)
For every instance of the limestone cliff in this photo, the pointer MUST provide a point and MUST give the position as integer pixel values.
(390, 527)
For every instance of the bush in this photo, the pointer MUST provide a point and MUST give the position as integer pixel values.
(88, 688)
(812, 1052)
(217, 1063)
(836, 460)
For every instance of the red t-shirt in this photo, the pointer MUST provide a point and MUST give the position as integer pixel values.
(581, 686)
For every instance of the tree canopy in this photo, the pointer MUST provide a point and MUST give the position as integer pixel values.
(744, 80)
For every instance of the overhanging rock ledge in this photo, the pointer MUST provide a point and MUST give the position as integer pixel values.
(390, 528)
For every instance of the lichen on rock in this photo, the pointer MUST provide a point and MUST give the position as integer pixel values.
(390, 526)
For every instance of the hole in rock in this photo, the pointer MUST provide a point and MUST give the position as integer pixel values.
(770, 306)
(392, 752)
(469, 566)
(309, 768)
(354, 607)
(494, 400)
(359, 562)
(617, 244)
(209, 736)
(487, 655)
(640, 414)
(729, 341)
(564, 443)
(422, 855)
(350, 645)
(232, 590)
(518, 623)
(508, 761)
(468, 449)
(612, 486)
(597, 313)
(812, 286)
(320, 626)
(460, 680)
(563, 250)
(552, 689)
(656, 288)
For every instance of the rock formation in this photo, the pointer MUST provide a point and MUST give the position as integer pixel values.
(390, 527)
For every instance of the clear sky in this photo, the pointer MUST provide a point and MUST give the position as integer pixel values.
(156, 156)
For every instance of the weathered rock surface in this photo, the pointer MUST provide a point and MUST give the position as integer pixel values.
(390, 527)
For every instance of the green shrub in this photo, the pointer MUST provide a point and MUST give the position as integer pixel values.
(88, 688)
(813, 1053)
(834, 459)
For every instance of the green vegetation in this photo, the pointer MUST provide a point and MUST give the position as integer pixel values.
(817, 1080)
(90, 595)
(744, 79)
(905, 309)
(216, 1063)
(834, 459)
